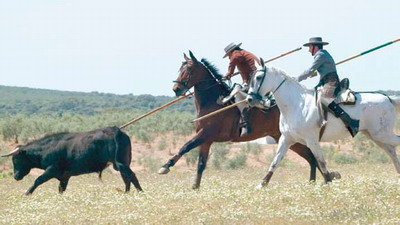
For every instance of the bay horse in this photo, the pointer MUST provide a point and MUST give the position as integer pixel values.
(224, 126)
(299, 121)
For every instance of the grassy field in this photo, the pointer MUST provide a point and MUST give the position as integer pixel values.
(367, 193)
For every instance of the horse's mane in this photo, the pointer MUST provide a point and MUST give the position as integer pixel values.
(279, 71)
(214, 71)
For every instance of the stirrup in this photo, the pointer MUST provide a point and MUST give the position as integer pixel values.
(323, 123)
(245, 129)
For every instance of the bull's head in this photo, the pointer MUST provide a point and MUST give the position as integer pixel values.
(22, 165)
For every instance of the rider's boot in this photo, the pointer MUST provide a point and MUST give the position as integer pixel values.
(351, 124)
(246, 128)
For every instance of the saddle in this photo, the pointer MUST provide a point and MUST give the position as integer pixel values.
(343, 94)
(237, 89)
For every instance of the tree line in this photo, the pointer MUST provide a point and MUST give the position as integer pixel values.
(22, 100)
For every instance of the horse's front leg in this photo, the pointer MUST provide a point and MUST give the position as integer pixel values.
(317, 152)
(203, 157)
(197, 140)
(283, 145)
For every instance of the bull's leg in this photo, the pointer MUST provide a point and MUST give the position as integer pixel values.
(203, 157)
(129, 176)
(63, 184)
(197, 140)
(127, 181)
(135, 181)
(47, 175)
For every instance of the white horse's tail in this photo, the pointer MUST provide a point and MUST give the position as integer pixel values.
(396, 102)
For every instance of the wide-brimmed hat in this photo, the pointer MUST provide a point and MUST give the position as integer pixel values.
(315, 41)
(230, 48)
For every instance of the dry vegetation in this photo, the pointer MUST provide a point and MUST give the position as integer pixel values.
(366, 194)
(369, 191)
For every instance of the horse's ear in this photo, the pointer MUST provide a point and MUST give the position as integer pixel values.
(192, 56)
(185, 56)
(262, 62)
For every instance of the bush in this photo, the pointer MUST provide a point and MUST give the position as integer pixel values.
(252, 148)
(370, 151)
(219, 152)
(237, 161)
(150, 163)
(344, 159)
(329, 152)
(11, 127)
(192, 156)
(6, 174)
(162, 144)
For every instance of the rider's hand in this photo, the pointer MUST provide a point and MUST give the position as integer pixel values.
(228, 76)
(245, 86)
(300, 78)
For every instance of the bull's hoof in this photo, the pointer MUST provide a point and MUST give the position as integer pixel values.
(335, 175)
(163, 170)
(195, 187)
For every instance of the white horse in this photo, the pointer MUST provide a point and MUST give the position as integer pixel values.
(299, 120)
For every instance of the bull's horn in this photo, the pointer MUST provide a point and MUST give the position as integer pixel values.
(14, 152)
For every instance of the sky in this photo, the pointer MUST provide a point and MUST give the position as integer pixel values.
(131, 46)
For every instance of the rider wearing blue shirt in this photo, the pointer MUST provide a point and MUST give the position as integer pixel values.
(328, 84)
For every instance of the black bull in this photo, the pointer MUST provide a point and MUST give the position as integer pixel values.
(63, 155)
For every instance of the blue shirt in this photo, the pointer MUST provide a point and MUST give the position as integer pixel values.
(323, 64)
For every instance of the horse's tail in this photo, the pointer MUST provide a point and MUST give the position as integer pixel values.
(396, 102)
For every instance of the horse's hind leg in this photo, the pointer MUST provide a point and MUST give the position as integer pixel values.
(203, 157)
(391, 151)
(306, 153)
(388, 143)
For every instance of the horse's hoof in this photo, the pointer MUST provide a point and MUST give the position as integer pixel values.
(163, 170)
(196, 187)
(335, 175)
(261, 186)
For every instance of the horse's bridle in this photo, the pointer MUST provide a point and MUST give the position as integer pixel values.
(256, 94)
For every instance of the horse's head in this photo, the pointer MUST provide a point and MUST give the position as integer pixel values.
(259, 85)
(190, 73)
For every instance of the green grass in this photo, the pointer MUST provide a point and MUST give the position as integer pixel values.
(366, 194)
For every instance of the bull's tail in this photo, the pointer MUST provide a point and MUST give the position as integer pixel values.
(123, 157)
(396, 102)
(123, 150)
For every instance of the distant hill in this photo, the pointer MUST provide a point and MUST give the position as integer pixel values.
(28, 101)
(24, 100)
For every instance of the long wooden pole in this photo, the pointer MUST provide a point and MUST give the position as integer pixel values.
(185, 96)
(368, 51)
(219, 110)
(275, 58)
(156, 109)
(345, 60)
